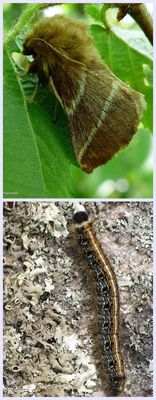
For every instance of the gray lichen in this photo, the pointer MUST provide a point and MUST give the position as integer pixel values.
(48, 343)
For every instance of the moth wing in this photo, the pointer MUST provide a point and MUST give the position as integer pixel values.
(103, 117)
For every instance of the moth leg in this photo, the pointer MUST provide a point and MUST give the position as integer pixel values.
(53, 89)
(31, 68)
(22, 74)
(55, 111)
(31, 99)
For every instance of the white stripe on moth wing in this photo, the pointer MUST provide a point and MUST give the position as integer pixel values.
(76, 101)
(107, 105)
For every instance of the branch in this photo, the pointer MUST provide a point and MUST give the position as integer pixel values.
(140, 14)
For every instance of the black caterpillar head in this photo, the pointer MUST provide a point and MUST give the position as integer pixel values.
(80, 217)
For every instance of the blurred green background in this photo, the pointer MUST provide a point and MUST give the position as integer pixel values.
(129, 173)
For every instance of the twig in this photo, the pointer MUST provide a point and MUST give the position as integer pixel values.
(140, 14)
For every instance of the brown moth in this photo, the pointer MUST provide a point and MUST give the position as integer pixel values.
(103, 112)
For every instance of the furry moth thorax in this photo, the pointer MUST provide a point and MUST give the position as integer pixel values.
(102, 111)
(68, 36)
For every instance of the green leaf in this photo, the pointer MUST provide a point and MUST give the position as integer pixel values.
(36, 151)
(127, 63)
(148, 75)
(94, 11)
(136, 40)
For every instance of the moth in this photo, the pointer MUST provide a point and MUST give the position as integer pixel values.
(102, 111)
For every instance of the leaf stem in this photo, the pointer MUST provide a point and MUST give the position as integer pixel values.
(140, 14)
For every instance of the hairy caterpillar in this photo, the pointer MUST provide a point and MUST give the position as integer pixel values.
(103, 112)
(108, 301)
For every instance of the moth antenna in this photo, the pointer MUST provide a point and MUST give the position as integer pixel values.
(42, 41)
(55, 111)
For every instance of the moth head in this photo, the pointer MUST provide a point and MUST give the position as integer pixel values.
(28, 48)
(39, 65)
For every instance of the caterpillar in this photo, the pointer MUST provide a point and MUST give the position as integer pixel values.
(108, 301)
